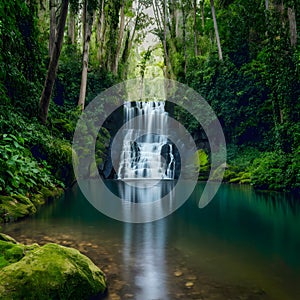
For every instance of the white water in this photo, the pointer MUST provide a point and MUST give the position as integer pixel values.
(141, 158)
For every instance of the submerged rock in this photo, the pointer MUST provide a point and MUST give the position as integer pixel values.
(48, 272)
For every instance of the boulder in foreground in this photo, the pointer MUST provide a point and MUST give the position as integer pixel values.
(49, 272)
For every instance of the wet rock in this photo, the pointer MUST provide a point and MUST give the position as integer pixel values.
(49, 272)
(178, 273)
(189, 284)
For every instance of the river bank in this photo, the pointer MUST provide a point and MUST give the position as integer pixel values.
(16, 207)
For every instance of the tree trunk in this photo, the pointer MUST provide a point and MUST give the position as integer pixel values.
(101, 30)
(195, 28)
(168, 63)
(293, 27)
(88, 23)
(184, 37)
(216, 29)
(120, 40)
(130, 39)
(71, 27)
(267, 4)
(202, 14)
(49, 82)
(52, 36)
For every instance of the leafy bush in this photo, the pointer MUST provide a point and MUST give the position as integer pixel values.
(20, 172)
(269, 171)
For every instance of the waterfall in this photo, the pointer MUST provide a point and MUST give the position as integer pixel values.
(150, 156)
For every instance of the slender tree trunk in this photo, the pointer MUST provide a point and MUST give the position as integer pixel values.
(172, 19)
(216, 29)
(293, 26)
(184, 36)
(71, 27)
(88, 23)
(267, 4)
(129, 39)
(177, 23)
(120, 40)
(49, 82)
(101, 30)
(195, 28)
(52, 36)
(202, 14)
(168, 63)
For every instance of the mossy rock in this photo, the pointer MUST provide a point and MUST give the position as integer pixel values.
(11, 251)
(51, 272)
(235, 180)
(46, 194)
(15, 207)
(6, 238)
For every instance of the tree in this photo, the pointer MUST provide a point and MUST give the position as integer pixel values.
(71, 26)
(161, 18)
(212, 4)
(52, 68)
(88, 12)
(52, 36)
(120, 39)
(293, 26)
(195, 27)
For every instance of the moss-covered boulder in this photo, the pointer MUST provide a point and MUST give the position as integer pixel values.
(49, 272)
(15, 207)
(11, 251)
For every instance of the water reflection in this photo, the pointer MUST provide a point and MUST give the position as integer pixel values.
(146, 191)
(144, 258)
(144, 245)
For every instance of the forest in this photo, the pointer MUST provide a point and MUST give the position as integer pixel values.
(242, 56)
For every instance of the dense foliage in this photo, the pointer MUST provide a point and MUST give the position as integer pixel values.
(32, 155)
(254, 88)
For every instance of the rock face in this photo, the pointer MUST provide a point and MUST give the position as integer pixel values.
(48, 272)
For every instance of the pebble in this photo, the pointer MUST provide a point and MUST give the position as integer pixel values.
(189, 284)
(114, 297)
(178, 273)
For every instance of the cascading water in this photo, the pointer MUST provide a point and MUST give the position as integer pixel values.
(150, 156)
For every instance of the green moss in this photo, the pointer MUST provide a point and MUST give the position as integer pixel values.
(229, 174)
(235, 180)
(7, 238)
(51, 272)
(10, 253)
(15, 207)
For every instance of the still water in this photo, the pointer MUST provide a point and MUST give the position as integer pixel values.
(243, 245)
